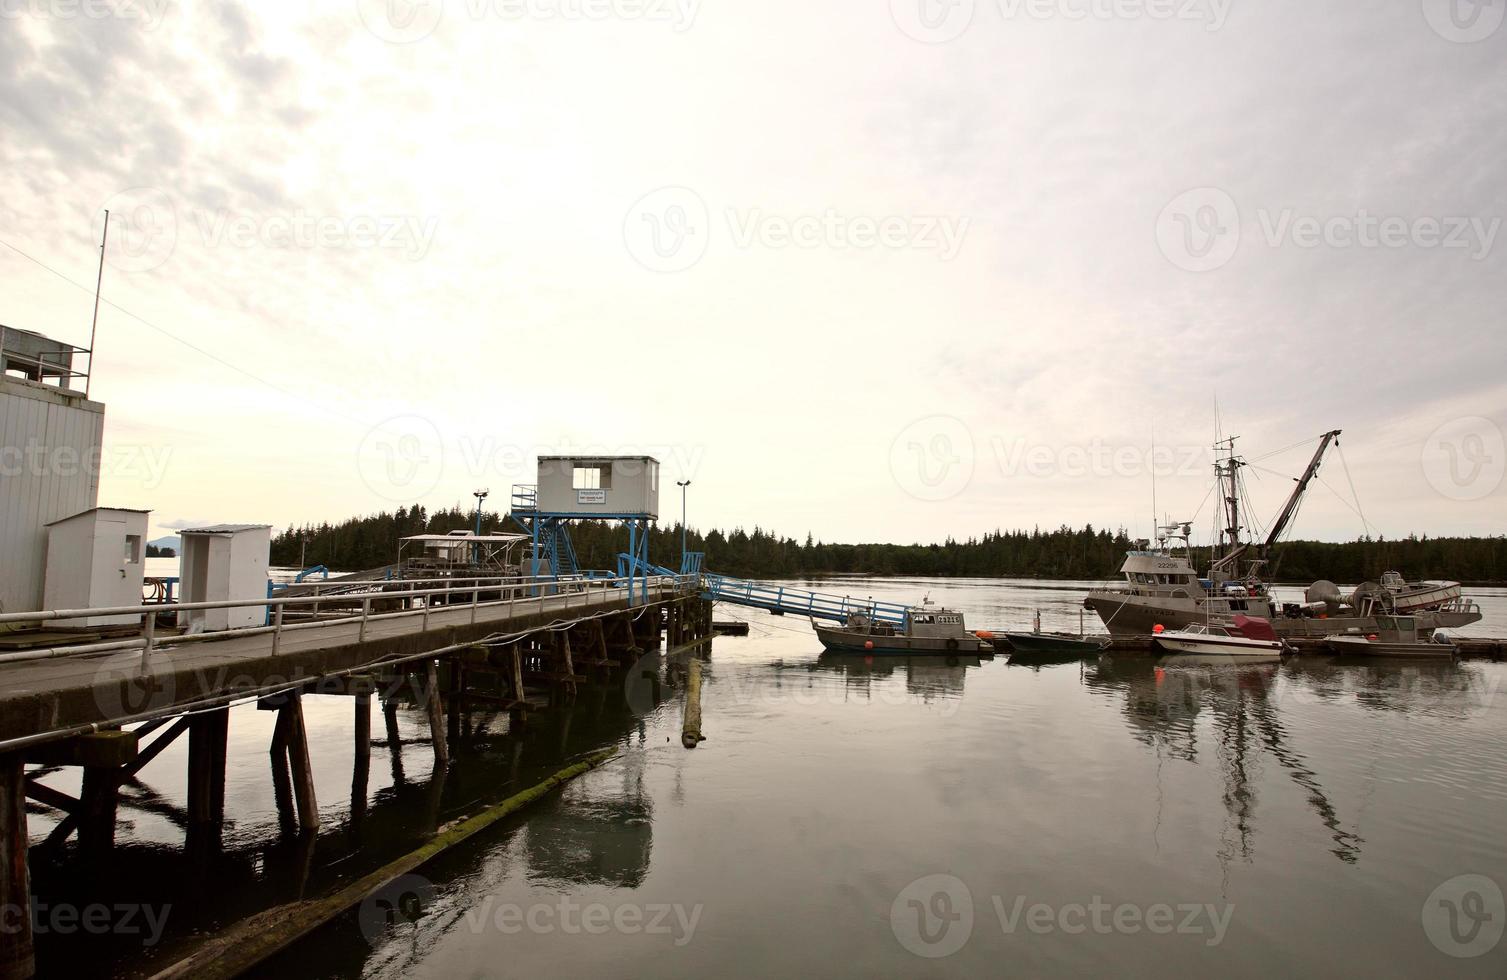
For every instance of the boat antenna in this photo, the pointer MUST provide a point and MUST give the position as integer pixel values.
(98, 283)
(1155, 514)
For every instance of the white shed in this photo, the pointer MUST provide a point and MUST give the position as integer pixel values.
(220, 562)
(599, 486)
(95, 559)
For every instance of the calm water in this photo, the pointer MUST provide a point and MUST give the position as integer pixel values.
(847, 818)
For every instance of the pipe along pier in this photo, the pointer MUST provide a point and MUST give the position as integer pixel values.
(111, 706)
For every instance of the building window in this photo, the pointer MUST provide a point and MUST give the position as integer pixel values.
(133, 549)
(592, 477)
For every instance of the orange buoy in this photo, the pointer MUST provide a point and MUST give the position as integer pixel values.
(1158, 628)
(868, 644)
(984, 635)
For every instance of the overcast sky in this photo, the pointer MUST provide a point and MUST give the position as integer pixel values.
(878, 270)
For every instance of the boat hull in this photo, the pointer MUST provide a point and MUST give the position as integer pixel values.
(1235, 648)
(1053, 643)
(838, 640)
(1359, 646)
(1124, 614)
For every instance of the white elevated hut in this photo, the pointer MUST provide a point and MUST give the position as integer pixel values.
(220, 562)
(50, 439)
(96, 559)
(599, 486)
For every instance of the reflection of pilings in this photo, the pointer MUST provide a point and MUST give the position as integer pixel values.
(17, 960)
(394, 743)
(1347, 845)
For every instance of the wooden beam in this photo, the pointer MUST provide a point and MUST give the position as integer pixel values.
(298, 761)
(436, 715)
(17, 958)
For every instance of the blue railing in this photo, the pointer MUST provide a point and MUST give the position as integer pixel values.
(800, 602)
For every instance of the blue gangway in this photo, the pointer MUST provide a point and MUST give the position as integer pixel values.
(783, 598)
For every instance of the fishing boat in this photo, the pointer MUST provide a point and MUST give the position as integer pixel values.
(1039, 644)
(1248, 639)
(1164, 588)
(928, 629)
(1396, 636)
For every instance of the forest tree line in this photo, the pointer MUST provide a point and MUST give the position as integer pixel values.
(1064, 553)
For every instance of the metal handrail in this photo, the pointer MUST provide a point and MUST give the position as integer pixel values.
(147, 641)
(824, 605)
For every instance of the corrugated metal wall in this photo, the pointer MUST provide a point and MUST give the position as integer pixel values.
(49, 469)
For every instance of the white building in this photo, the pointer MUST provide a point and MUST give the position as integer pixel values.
(96, 559)
(50, 446)
(222, 562)
(599, 486)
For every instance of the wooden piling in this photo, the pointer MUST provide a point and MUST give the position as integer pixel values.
(361, 771)
(690, 733)
(436, 715)
(296, 737)
(17, 959)
(208, 736)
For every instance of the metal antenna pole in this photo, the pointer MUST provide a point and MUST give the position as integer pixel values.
(98, 283)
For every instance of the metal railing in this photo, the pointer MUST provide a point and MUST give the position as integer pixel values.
(534, 594)
(802, 602)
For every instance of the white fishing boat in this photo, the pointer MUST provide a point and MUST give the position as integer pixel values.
(1248, 639)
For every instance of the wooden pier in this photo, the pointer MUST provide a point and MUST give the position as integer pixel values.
(112, 706)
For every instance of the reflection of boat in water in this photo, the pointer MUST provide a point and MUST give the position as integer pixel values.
(928, 630)
(1248, 639)
(925, 677)
(1163, 588)
(1396, 636)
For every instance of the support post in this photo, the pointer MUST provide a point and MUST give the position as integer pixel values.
(436, 716)
(297, 744)
(690, 733)
(208, 734)
(394, 740)
(17, 960)
(362, 768)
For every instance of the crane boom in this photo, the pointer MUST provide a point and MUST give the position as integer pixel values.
(1291, 508)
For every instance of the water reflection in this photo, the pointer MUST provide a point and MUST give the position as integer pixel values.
(926, 678)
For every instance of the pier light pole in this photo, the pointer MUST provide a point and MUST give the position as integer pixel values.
(480, 496)
(682, 484)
